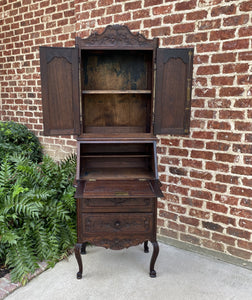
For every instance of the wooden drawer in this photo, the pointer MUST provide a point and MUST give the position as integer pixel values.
(115, 224)
(116, 204)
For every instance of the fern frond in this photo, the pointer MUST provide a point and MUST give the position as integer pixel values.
(23, 261)
(68, 237)
(9, 238)
(39, 193)
(6, 174)
(28, 209)
(42, 240)
(68, 200)
(54, 246)
(62, 213)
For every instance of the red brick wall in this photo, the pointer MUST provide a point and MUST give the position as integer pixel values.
(207, 177)
(25, 25)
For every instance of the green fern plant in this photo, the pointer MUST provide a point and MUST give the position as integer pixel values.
(37, 212)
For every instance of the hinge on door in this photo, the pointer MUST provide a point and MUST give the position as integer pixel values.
(188, 96)
(92, 179)
(142, 179)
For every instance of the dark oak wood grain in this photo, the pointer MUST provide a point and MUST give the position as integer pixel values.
(172, 111)
(59, 80)
(115, 112)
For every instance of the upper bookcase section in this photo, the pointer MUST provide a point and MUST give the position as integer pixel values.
(116, 37)
(116, 82)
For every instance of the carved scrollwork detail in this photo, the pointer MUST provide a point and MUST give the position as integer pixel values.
(116, 35)
(116, 244)
(54, 54)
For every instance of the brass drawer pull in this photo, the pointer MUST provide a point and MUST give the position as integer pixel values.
(117, 224)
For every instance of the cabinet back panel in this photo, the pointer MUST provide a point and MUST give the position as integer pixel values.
(116, 70)
(125, 111)
(113, 162)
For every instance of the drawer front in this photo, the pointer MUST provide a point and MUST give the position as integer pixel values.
(117, 204)
(116, 224)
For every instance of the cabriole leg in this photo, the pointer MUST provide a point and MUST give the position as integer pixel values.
(153, 258)
(77, 251)
(146, 248)
(83, 248)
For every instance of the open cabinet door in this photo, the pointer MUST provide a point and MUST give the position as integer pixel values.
(173, 91)
(60, 91)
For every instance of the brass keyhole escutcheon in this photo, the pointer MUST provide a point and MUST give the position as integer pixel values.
(117, 224)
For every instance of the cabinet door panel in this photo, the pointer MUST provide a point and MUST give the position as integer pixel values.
(173, 91)
(60, 93)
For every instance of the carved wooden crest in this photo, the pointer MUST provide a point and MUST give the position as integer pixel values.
(116, 36)
(116, 244)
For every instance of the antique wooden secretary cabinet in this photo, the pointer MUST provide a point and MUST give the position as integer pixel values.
(115, 91)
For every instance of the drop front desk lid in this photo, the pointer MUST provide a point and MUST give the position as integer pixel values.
(118, 189)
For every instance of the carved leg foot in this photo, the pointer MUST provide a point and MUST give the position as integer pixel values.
(153, 258)
(77, 251)
(83, 248)
(146, 248)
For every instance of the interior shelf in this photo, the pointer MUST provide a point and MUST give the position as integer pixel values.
(116, 173)
(116, 92)
(114, 155)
